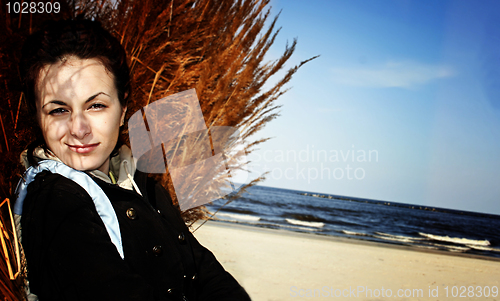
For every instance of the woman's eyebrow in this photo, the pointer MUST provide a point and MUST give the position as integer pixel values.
(62, 103)
(57, 102)
(95, 95)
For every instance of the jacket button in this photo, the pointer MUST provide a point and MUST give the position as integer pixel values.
(182, 238)
(194, 277)
(157, 250)
(170, 291)
(159, 211)
(131, 213)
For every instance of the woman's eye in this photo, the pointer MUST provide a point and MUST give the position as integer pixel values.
(97, 106)
(58, 111)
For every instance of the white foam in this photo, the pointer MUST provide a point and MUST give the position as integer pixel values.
(402, 237)
(427, 247)
(304, 223)
(242, 217)
(483, 248)
(453, 248)
(457, 240)
(395, 238)
(353, 233)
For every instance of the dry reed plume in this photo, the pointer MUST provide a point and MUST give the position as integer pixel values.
(216, 47)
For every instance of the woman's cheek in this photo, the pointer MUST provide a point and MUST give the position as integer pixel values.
(55, 129)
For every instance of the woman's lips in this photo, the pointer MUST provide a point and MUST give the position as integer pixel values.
(82, 149)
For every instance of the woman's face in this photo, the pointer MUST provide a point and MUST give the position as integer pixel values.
(79, 112)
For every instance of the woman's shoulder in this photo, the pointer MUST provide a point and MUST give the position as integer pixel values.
(54, 194)
(56, 184)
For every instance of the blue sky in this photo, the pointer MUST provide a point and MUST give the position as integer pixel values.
(414, 84)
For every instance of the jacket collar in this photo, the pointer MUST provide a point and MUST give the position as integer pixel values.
(122, 166)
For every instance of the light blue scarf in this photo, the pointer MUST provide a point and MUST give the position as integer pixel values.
(101, 201)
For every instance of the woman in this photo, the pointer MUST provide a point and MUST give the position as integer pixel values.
(93, 228)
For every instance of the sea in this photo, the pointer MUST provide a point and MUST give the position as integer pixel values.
(417, 226)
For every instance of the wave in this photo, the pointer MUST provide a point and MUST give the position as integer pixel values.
(452, 248)
(270, 225)
(238, 210)
(426, 247)
(242, 217)
(395, 238)
(304, 223)
(354, 233)
(387, 237)
(303, 217)
(457, 240)
(309, 229)
(338, 222)
(399, 236)
(481, 248)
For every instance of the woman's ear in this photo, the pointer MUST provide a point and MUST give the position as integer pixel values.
(122, 120)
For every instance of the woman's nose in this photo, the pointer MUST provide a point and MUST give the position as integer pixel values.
(79, 127)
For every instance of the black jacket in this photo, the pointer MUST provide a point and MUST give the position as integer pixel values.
(71, 257)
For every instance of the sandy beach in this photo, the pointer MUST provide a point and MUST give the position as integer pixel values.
(280, 265)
